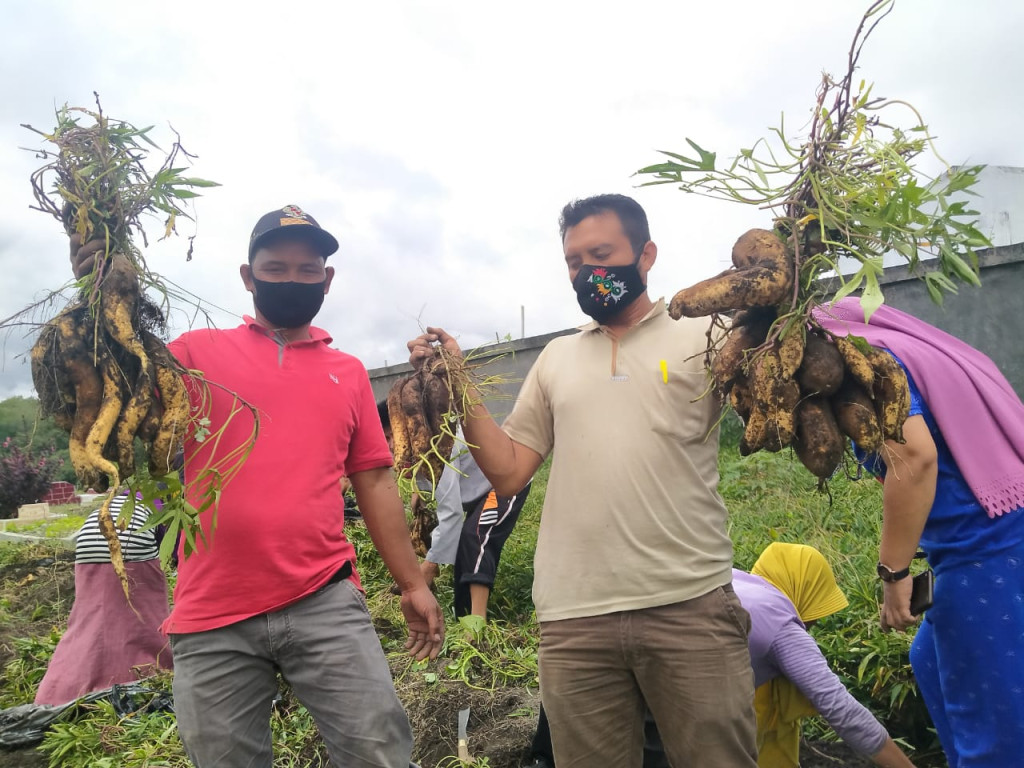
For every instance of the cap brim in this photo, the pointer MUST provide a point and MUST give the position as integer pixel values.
(323, 241)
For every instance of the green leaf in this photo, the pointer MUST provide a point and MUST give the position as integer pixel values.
(473, 623)
(665, 168)
(127, 509)
(850, 285)
(707, 158)
(953, 263)
(194, 182)
(871, 299)
(169, 540)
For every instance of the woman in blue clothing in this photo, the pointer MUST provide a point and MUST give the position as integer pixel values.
(954, 488)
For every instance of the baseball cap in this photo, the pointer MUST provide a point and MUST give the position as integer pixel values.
(295, 221)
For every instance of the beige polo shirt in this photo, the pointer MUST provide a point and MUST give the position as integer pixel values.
(632, 517)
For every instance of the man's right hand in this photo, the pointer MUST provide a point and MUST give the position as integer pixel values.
(83, 257)
(421, 348)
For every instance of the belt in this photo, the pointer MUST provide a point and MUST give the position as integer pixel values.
(341, 574)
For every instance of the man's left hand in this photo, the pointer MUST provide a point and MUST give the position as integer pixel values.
(426, 623)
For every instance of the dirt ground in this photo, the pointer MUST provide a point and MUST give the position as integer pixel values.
(35, 594)
(509, 751)
(829, 755)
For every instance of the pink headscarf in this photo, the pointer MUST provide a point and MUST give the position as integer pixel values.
(976, 409)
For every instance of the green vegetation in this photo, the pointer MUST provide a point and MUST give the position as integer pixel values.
(24, 672)
(52, 527)
(21, 421)
(770, 499)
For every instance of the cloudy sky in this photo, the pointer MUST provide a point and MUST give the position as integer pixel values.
(438, 140)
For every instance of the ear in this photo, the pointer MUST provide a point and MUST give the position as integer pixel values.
(246, 272)
(330, 276)
(648, 256)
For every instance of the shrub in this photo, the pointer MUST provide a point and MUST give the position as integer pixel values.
(24, 478)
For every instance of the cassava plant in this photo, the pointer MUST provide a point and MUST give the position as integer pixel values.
(100, 367)
(425, 409)
(847, 193)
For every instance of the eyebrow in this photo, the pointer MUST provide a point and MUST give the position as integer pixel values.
(593, 250)
(283, 263)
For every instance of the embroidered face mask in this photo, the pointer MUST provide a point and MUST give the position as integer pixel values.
(288, 305)
(603, 292)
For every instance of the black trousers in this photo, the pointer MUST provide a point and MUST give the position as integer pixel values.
(489, 521)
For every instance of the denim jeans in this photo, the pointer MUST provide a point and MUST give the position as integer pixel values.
(326, 648)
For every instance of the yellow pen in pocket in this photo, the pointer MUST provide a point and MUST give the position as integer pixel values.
(664, 371)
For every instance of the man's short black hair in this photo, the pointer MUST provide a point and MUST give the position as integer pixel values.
(629, 211)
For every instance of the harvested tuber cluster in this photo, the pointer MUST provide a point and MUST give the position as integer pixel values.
(100, 367)
(843, 198)
(791, 382)
(420, 408)
(107, 380)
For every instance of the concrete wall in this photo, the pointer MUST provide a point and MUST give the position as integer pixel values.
(989, 318)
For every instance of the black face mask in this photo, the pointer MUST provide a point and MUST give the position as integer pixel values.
(288, 305)
(603, 292)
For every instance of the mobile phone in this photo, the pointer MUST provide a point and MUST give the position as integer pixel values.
(922, 592)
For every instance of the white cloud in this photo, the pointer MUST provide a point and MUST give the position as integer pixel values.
(438, 141)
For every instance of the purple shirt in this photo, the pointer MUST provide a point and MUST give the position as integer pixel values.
(780, 646)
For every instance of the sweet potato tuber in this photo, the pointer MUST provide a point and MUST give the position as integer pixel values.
(818, 442)
(730, 361)
(791, 351)
(855, 414)
(821, 370)
(857, 364)
(400, 446)
(756, 286)
(891, 394)
(760, 247)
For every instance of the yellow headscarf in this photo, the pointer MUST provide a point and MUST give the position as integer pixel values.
(803, 575)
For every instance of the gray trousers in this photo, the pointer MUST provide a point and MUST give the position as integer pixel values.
(326, 648)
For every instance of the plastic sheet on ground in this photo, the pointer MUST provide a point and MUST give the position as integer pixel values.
(26, 724)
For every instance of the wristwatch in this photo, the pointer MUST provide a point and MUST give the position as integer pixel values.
(885, 573)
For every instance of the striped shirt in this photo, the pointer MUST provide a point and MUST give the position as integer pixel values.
(91, 547)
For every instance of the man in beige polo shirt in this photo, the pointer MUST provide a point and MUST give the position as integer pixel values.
(633, 564)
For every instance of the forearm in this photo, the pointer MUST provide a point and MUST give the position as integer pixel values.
(800, 660)
(507, 465)
(909, 493)
(384, 515)
(905, 508)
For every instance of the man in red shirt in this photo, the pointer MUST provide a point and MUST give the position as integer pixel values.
(277, 590)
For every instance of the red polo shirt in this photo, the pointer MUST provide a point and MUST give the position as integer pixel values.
(279, 522)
